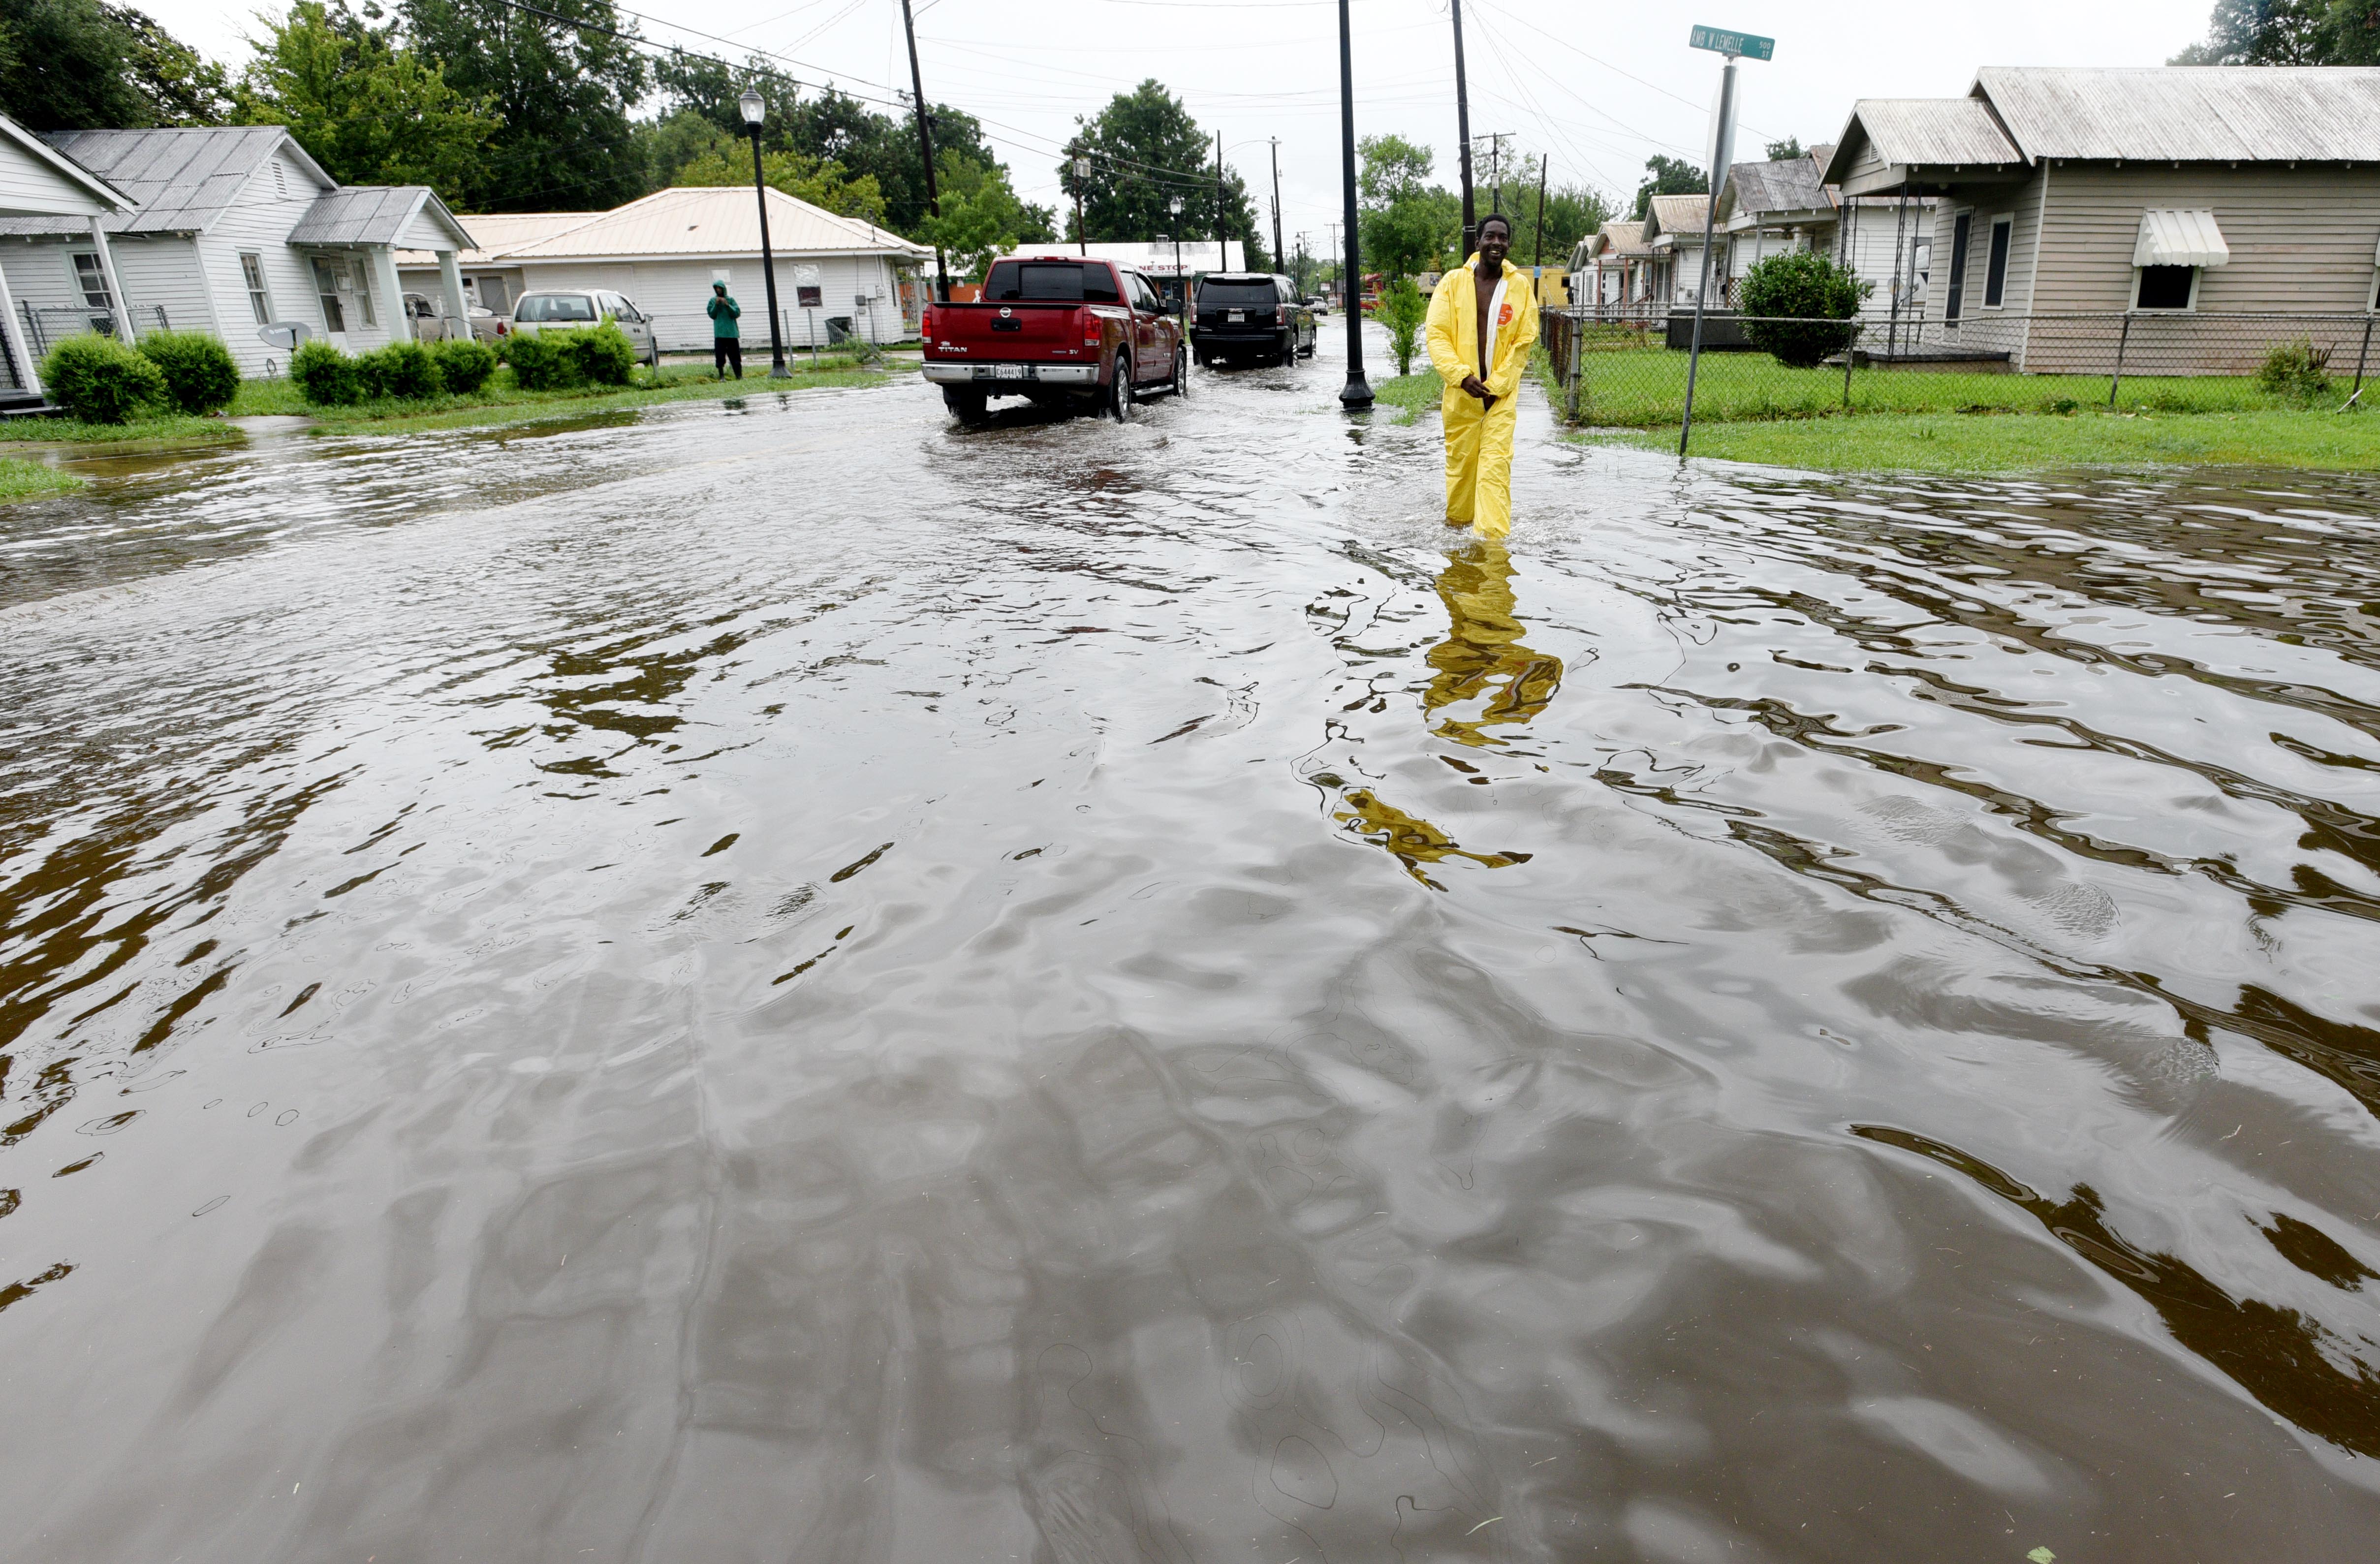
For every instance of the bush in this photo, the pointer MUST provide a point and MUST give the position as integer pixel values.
(1402, 310)
(101, 380)
(200, 376)
(464, 364)
(543, 361)
(606, 356)
(2296, 371)
(325, 376)
(404, 370)
(1808, 288)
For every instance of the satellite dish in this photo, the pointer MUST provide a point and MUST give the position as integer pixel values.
(285, 333)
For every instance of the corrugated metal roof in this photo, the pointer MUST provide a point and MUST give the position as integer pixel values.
(1784, 185)
(1620, 240)
(500, 233)
(367, 214)
(1957, 131)
(1676, 214)
(2187, 114)
(721, 219)
(183, 179)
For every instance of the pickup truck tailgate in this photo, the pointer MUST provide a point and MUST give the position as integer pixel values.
(1041, 332)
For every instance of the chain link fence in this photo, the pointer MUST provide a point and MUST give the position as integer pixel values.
(49, 324)
(1629, 372)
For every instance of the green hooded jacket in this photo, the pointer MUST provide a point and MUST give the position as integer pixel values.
(722, 311)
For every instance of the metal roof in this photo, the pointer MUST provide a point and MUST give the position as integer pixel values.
(371, 215)
(500, 233)
(2181, 238)
(2203, 114)
(98, 194)
(1785, 185)
(694, 222)
(1618, 240)
(1676, 214)
(1959, 132)
(1197, 255)
(182, 179)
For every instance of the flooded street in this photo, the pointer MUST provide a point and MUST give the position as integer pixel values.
(793, 983)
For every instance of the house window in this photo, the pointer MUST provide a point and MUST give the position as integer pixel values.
(91, 278)
(1954, 302)
(252, 272)
(1996, 264)
(2165, 287)
(327, 279)
(364, 297)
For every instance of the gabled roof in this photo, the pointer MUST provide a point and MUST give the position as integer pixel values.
(181, 181)
(500, 233)
(2261, 114)
(694, 222)
(1783, 185)
(1618, 240)
(1673, 216)
(375, 215)
(67, 184)
(1954, 132)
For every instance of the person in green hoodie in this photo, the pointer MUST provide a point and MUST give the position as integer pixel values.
(726, 337)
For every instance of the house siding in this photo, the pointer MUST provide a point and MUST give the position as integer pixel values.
(1981, 328)
(162, 274)
(259, 220)
(42, 279)
(674, 291)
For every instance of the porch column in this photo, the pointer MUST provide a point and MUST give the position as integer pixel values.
(20, 352)
(382, 262)
(123, 310)
(450, 278)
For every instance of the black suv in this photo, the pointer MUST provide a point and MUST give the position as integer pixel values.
(1251, 315)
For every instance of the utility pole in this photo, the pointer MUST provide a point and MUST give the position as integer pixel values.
(1279, 258)
(1541, 212)
(1356, 395)
(1463, 129)
(926, 146)
(1496, 140)
(1222, 254)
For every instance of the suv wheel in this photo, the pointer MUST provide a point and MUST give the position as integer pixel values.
(1120, 394)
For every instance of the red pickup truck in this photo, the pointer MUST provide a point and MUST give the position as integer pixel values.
(1057, 329)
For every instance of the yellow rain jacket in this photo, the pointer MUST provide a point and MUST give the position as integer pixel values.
(1479, 443)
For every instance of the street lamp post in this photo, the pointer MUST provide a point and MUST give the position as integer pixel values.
(756, 109)
(1181, 278)
(1081, 234)
(1356, 395)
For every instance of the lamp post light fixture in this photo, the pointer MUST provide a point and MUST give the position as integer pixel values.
(1181, 278)
(1082, 174)
(756, 109)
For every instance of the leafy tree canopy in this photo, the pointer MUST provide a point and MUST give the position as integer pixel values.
(1408, 226)
(2288, 32)
(370, 111)
(1146, 149)
(1791, 147)
(799, 174)
(1571, 213)
(981, 215)
(85, 65)
(1668, 176)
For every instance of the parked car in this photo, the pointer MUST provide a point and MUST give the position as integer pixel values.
(574, 309)
(1252, 315)
(1319, 304)
(1055, 328)
(431, 323)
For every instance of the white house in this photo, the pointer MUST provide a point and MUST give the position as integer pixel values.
(490, 280)
(232, 229)
(37, 181)
(664, 252)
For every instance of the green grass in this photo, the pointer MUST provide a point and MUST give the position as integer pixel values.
(2034, 441)
(22, 480)
(73, 431)
(1410, 395)
(1645, 388)
(502, 402)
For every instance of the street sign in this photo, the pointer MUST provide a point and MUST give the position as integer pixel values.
(1751, 45)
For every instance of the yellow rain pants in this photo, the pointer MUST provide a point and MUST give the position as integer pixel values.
(1479, 442)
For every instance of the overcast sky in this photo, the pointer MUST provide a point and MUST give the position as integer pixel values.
(1596, 87)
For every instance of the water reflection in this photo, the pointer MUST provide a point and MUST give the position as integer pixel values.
(1483, 657)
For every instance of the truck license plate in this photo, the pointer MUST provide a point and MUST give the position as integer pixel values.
(1234, 316)
(1011, 371)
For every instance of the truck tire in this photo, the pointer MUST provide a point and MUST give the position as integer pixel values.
(1181, 386)
(966, 405)
(1120, 394)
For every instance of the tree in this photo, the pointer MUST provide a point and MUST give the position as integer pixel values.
(981, 214)
(2263, 32)
(1571, 213)
(1146, 149)
(370, 111)
(2351, 34)
(1407, 224)
(1668, 176)
(1785, 295)
(84, 64)
(1791, 147)
(561, 93)
(799, 174)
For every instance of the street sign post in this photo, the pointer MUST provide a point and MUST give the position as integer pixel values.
(1734, 45)
(1719, 40)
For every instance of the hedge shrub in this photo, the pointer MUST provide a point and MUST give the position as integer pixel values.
(99, 381)
(1811, 290)
(402, 371)
(2296, 371)
(200, 375)
(543, 361)
(606, 356)
(325, 376)
(464, 364)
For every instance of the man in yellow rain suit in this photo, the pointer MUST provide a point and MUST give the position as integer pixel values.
(1483, 320)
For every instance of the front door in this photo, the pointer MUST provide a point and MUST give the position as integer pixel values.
(327, 278)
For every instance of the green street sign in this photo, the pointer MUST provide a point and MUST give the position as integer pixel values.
(1751, 45)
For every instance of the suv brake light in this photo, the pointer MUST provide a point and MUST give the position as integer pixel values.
(1280, 314)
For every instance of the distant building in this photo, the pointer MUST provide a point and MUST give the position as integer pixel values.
(1612, 272)
(664, 251)
(231, 229)
(2174, 196)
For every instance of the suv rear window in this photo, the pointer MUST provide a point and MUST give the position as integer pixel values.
(540, 307)
(1049, 281)
(1237, 296)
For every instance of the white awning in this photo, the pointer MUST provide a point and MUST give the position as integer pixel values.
(2181, 238)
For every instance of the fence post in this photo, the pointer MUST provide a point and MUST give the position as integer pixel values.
(2360, 360)
(1850, 345)
(2121, 340)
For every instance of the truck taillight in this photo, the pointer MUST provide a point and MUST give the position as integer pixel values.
(926, 325)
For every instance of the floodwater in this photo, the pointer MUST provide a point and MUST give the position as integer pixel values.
(788, 982)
